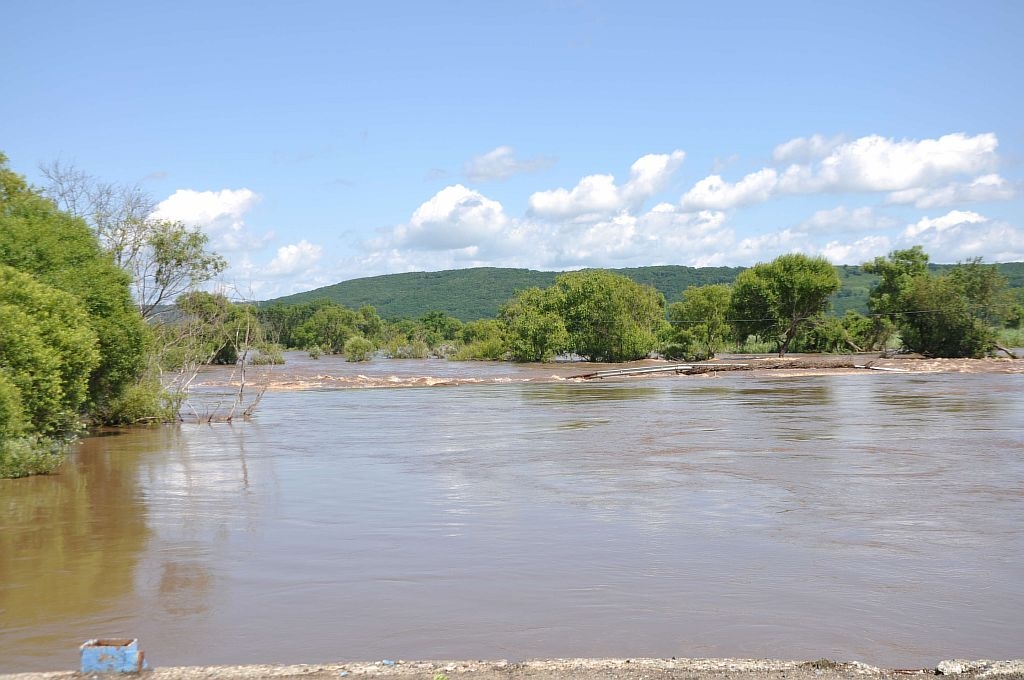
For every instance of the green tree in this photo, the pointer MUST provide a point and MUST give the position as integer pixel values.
(329, 328)
(59, 250)
(482, 339)
(895, 273)
(173, 259)
(699, 323)
(987, 291)
(609, 317)
(946, 316)
(358, 348)
(48, 350)
(776, 299)
(440, 327)
(163, 258)
(885, 299)
(533, 328)
(937, 319)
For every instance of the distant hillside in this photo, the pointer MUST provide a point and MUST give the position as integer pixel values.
(470, 294)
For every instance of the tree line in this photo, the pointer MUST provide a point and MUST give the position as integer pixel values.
(597, 315)
(103, 320)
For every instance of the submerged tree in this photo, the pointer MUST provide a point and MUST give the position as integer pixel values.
(533, 328)
(609, 317)
(951, 315)
(699, 323)
(776, 299)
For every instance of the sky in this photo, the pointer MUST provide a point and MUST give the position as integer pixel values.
(319, 141)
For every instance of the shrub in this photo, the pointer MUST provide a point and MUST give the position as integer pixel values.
(30, 455)
(358, 349)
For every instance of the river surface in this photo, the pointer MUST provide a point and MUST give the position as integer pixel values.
(508, 514)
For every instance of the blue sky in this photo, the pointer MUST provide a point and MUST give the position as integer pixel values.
(319, 141)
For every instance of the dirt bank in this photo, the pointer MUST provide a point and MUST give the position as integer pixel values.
(573, 669)
(824, 364)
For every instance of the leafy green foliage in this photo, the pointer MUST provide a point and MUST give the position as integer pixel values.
(939, 321)
(358, 348)
(774, 300)
(59, 250)
(32, 454)
(479, 293)
(471, 294)
(171, 260)
(895, 273)
(534, 328)
(953, 314)
(608, 316)
(699, 325)
(482, 340)
(47, 351)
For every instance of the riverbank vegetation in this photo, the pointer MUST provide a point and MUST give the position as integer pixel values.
(103, 320)
(83, 275)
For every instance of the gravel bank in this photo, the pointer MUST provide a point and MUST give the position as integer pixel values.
(573, 669)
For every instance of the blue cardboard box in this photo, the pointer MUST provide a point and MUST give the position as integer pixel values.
(113, 656)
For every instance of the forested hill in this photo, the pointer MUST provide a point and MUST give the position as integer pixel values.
(470, 294)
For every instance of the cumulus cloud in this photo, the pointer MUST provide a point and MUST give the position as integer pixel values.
(597, 196)
(857, 252)
(501, 163)
(805, 149)
(989, 187)
(909, 169)
(294, 258)
(714, 192)
(842, 219)
(218, 213)
(960, 234)
(876, 163)
(454, 218)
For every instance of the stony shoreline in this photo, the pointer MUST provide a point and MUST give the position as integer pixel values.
(570, 669)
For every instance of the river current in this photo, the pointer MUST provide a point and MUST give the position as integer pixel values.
(495, 511)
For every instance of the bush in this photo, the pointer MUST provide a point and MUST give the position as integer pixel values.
(30, 455)
(408, 349)
(144, 402)
(269, 354)
(684, 346)
(490, 349)
(358, 349)
(941, 323)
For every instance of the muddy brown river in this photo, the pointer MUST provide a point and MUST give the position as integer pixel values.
(430, 509)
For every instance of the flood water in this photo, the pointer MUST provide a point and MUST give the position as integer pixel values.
(876, 516)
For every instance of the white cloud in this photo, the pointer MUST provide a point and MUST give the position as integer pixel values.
(714, 192)
(501, 163)
(294, 258)
(766, 247)
(842, 219)
(598, 196)
(959, 235)
(990, 187)
(454, 218)
(218, 213)
(805, 149)
(867, 164)
(950, 220)
(857, 252)
(875, 163)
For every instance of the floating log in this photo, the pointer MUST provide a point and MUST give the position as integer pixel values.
(687, 369)
(882, 368)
